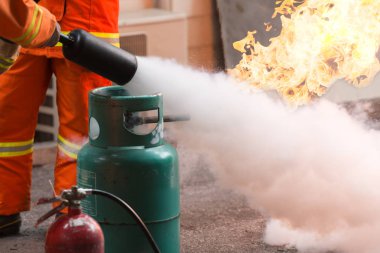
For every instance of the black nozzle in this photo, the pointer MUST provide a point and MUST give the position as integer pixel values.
(65, 40)
(99, 56)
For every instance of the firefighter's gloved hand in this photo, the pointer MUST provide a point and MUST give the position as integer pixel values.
(8, 54)
(54, 37)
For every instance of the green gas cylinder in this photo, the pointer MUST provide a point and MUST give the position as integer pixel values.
(134, 163)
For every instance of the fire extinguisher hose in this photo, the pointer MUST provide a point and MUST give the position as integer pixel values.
(132, 213)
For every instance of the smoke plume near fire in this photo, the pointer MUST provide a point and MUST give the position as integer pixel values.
(314, 171)
(321, 41)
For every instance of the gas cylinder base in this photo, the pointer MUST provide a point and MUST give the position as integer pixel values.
(130, 238)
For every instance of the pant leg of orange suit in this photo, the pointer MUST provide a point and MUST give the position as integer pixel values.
(22, 90)
(73, 85)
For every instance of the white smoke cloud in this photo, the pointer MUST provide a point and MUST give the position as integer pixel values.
(314, 170)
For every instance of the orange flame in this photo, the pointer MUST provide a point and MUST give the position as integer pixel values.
(321, 41)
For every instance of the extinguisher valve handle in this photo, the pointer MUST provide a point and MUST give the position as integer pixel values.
(53, 211)
(68, 198)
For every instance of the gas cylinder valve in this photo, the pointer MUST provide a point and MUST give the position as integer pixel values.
(132, 120)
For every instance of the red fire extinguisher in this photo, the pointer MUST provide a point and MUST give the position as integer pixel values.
(75, 232)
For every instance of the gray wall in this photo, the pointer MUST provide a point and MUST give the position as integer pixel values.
(237, 17)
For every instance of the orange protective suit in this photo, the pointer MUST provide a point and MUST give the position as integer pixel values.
(24, 23)
(22, 91)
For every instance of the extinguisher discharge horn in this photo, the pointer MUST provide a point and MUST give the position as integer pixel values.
(99, 56)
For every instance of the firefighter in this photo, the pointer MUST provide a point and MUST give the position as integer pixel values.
(22, 91)
(31, 26)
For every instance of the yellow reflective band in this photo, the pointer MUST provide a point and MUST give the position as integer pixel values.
(16, 153)
(99, 35)
(5, 66)
(106, 35)
(66, 152)
(30, 28)
(69, 144)
(10, 149)
(117, 44)
(7, 60)
(37, 29)
(6, 63)
(59, 44)
(15, 144)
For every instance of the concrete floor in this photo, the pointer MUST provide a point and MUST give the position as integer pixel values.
(212, 219)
